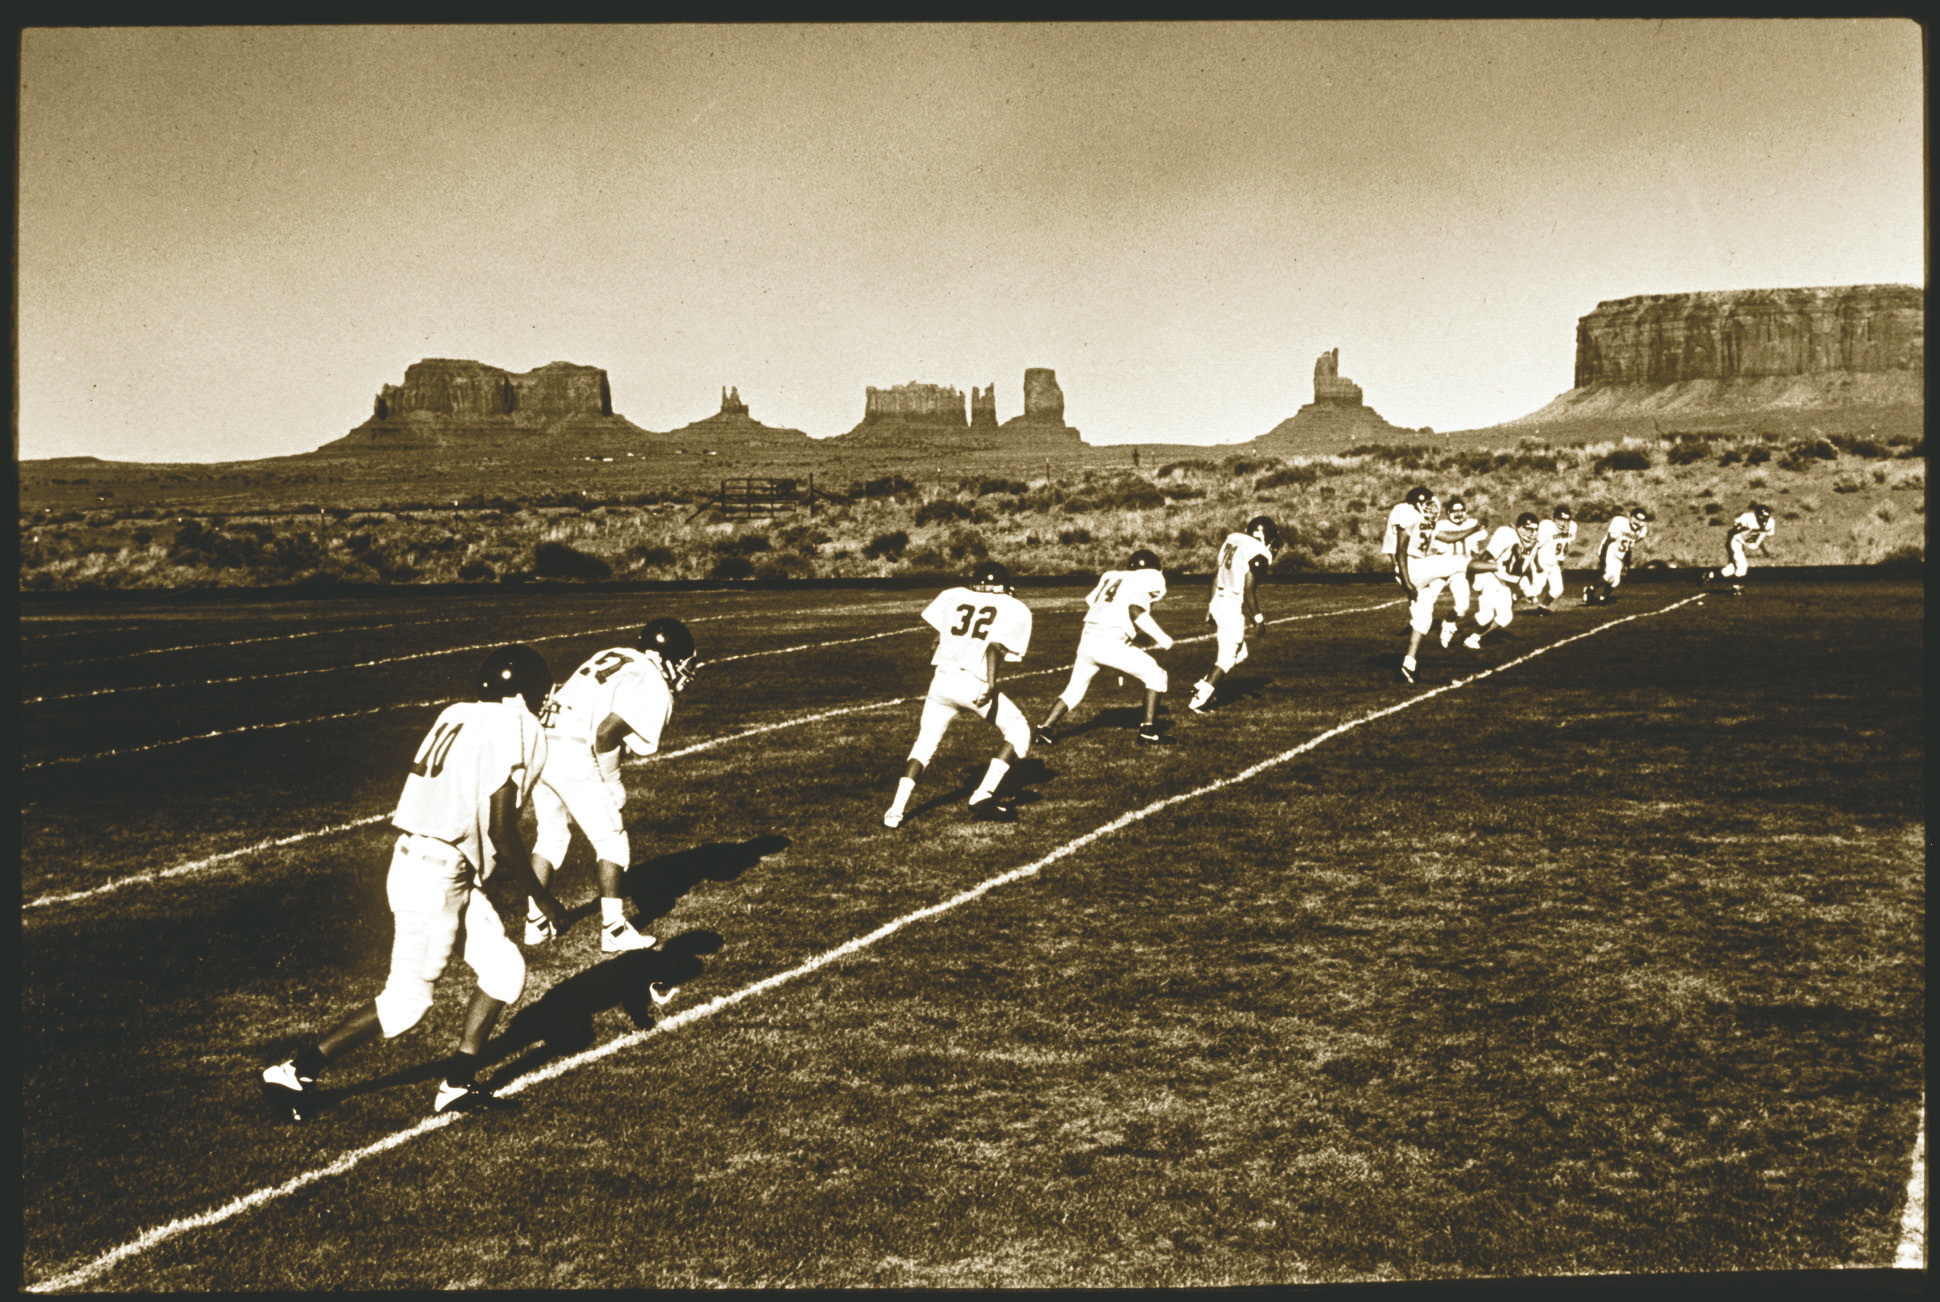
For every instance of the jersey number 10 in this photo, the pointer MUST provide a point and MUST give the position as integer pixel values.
(431, 755)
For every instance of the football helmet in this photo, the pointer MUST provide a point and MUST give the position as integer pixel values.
(1762, 511)
(515, 671)
(1639, 514)
(1563, 513)
(1143, 559)
(670, 639)
(1263, 528)
(1457, 510)
(991, 576)
(1417, 495)
(1526, 527)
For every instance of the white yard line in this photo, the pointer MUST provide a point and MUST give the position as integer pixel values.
(204, 646)
(92, 1270)
(1912, 1253)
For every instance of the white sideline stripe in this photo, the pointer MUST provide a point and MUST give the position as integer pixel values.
(558, 1067)
(1912, 1253)
(228, 855)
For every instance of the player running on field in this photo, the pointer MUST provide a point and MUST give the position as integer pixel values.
(978, 628)
(1747, 534)
(1234, 611)
(1456, 534)
(458, 821)
(1554, 538)
(1502, 568)
(1620, 541)
(620, 699)
(1118, 609)
(1422, 574)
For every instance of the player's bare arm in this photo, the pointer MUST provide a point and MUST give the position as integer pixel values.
(509, 847)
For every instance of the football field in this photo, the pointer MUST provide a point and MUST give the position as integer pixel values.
(1599, 950)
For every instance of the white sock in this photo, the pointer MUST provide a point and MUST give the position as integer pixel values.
(904, 786)
(990, 780)
(1408, 661)
(532, 913)
(612, 910)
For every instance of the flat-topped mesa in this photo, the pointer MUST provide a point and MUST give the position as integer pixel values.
(1752, 334)
(915, 404)
(444, 400)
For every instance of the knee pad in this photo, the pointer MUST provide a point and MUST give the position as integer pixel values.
(496, 962)
(402, 1004)
(612, 846)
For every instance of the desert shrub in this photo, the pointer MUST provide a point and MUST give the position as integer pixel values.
(741, 545)
(1847, 482)
(142, 537)
(1072, 537)
(890, 546)
(1172, 468)
(650, 556)
(1286, 477)
(557, 560)
(1076, 505)
(1903, 553)
(991, 487)
(1183, 493)
(1687, 453)
(926, 560)
(1129, 494)
(890, 486)
(801, 538)
(732, 566)
(197, 544)
(1238, 466)
(1186, 538)
(1757, 456)
(785, 565)
(476, 572)
(1730, 458)
(965, 544)
(944, 509)
(1713, 508)
(1598, 509)
(1800, 456)
(1622, 459)
(1857, 445)
(1915, 446)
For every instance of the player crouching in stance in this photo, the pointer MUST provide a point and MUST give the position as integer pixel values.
(459, 820)
(1421, 572)
(978, 628)
(1119, 609)
(1747, 534)
(1503, 567)
(1620, 540)
(1234, 611)
(618, 700)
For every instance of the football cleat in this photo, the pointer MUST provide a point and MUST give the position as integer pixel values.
(1042, 737)
(1448, 631)
(892, 819)
(537, 931)
(1408, 675)
(992, 810)
(1202, 694)
(621, 938)
(287, 1091)
(1473, 641)
(1148, 735)
(469, 1097)
(661, 993)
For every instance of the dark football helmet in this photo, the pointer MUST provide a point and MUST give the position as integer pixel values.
(1563, 513)
(1639, 514)
(670, 639)
(1143, 559)
(1526, 527)
(515, 671)
(1762, 511)
(1263, 528)
(1417, 495)
(1457, 510)
(991, 576)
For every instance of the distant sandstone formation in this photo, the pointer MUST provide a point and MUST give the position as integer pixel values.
(443, 399)
(732, 425)
(1737, 350)
(1336, 419)
(931, 417)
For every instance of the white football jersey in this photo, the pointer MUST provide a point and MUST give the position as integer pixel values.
(473, 749)
(1624, 533)
(1750, 531)
(968, 622)
(1236, 556)
(1117, 594)
(619, 680)
(1553, 538)
(1505, 549)
(1406, 521)
(1452, 539)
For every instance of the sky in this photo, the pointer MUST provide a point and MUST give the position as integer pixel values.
(230, 239)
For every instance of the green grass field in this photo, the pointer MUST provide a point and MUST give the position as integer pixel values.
(1599, 951)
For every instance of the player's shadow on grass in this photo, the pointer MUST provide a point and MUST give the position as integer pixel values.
(656, 885)
(1238, 687)
(559, 1023)
(1016, 788)
(1112, 718)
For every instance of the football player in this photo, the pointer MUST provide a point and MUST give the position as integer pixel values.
(1554, 537)
(978, 628)
(458, 821)
(1456, 535)
(618, 700)
(1234, 611)
(1502, 567)
(1747, 534)
(1421, 574)
(1620, 541)
(1119, 609)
